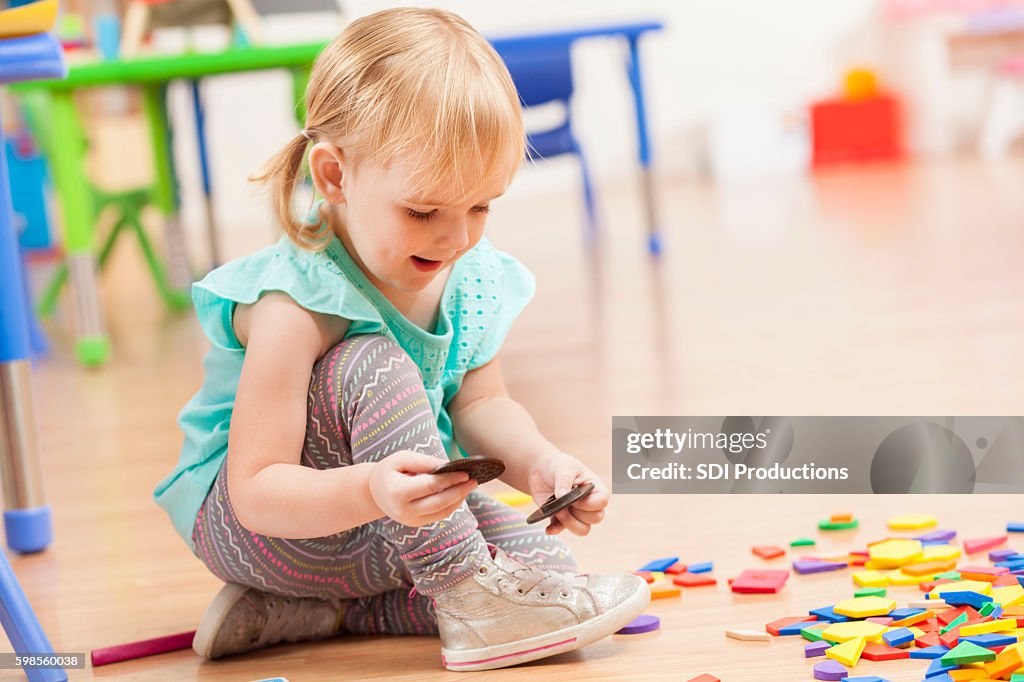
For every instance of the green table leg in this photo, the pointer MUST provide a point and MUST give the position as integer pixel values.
(174, 285)
(67, 154)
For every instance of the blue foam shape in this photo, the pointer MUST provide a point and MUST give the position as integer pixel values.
(795, 628)
(900, 636)
(939, 668)
(965, 598)
(828, 613)
(869, 678)
(660, 564)
(1012, 564)
(989, 640)
(900, 614)
(1015, 527)
(700, 568)
(937, 651)
(943, 677)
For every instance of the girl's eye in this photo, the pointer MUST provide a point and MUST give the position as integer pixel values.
(481, 209)
(418, 215)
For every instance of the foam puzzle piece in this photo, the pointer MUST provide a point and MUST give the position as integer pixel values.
(784, 626)
(898, 637)
(805, 566)
(940, 553)
(848, 653)
(704, 567)
(966, 652)
(937, 536)
(768, 551)
(870, 579)
(912, 521)
(830, 670)
(641, 624)
(704, 678)
(693, 580)
(1015, 527)
(873, 651)
(660, 564)
(815, 649)
(865, 607)
(754, 581)
(976, 545)
(895, 553)
(828, 524)
(748, 635)
(936, 651)
(802, 542)
(991, 626)
(844, 632)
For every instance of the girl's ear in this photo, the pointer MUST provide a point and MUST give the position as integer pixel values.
(327, 165)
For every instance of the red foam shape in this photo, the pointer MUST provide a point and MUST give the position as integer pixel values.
(676, 569)
(776, 625)
(753, 581)
(704, 678)
(875, 651)
(982, 544)
(768, 551)
(693, 579)
(925, 641)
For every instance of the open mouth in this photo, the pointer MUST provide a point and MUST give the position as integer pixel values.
(425, 264)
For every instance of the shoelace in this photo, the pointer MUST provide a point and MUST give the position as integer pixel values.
(546, 582)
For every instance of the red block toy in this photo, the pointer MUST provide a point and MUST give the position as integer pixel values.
(866, 129)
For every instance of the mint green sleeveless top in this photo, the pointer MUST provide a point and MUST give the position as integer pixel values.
(485, 292)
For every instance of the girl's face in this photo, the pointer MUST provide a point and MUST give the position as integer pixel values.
(401, 241)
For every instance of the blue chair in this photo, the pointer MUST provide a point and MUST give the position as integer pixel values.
(542, 72)
(27, 519)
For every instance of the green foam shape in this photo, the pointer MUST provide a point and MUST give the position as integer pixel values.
(967, 652)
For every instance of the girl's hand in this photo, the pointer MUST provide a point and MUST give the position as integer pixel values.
(402, 486)
(556, 475)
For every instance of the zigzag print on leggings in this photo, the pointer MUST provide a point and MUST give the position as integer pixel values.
(367, 401)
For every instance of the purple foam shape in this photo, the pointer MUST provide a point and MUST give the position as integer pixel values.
(1000, 554)
(937, 536)
(815, 649)
(640, 625)
(810, 566)
(830, 670)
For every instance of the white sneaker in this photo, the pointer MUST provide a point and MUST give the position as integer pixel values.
(241, 619)
(507, 613)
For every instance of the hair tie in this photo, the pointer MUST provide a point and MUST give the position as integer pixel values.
(305, 134)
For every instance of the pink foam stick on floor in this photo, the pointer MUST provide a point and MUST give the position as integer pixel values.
(148, 647)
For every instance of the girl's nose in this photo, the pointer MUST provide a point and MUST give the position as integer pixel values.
(456, 235)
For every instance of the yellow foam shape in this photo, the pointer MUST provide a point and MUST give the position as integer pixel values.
(989, 626)
(912, 521)
(939, 553)
(847, 653)
(895, 553)
(915, 631)
(865, 607)
(898, 577)
(513, 498)
(979, 586)
(1011, 595)
(28, 20)
(870, 579)
(844, 632)
(657, 575)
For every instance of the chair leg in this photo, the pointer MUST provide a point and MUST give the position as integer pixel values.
(591, 225)
(22, 626)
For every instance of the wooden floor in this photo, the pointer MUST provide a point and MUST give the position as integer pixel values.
(874, 290)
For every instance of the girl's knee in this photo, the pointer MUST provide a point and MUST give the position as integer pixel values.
(360, 359)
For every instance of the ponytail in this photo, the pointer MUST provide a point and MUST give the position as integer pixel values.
(282, 173)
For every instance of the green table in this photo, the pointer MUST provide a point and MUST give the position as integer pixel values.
(62, 139)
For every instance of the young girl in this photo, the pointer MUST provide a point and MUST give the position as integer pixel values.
(358, 353)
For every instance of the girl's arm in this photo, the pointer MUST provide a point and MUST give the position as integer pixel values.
(272, 494)
(488, 422)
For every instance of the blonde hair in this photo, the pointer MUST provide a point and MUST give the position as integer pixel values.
(420, 84)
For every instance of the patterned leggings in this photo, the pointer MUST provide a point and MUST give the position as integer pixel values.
(366, 401)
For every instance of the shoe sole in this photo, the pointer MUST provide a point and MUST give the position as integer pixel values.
(209, 624)
(550, 644)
